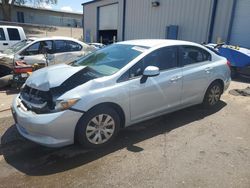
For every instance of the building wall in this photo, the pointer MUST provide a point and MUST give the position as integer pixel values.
(194, 18)
(145, 21)
(222, 21)
(90, 21)
(47, 17)
(240, 31)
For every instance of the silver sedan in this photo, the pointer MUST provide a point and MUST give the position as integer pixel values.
(91, 99)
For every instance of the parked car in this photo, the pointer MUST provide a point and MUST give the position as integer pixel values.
(10, 35)
(7, 57)
(60, 50)
(238, 57)
(97, 45)
(91, 99)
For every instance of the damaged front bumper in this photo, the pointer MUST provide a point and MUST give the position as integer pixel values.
(52, 130)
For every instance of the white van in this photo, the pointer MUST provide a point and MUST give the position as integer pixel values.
(10, 35)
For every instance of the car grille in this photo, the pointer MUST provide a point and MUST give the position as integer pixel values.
(36, 100)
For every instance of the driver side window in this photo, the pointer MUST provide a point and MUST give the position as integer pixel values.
(37, 48)
(32, 50)
(164, 58)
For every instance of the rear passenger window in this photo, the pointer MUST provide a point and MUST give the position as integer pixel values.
(60, 46)
(191, 55)
(13, 34)
(66, 46)
(2, 35)
(73, 46)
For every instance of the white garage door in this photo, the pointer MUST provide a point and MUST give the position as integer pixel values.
(241, 24)
(108, 17)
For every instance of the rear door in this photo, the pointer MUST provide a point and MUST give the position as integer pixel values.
(66, 51)
(196, 73)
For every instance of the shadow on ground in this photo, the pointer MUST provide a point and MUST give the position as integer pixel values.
(36, 160)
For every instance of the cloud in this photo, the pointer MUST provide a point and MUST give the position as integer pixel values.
(67, 9)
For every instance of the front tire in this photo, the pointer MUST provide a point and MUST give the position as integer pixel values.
(98, 127)
(213, 95)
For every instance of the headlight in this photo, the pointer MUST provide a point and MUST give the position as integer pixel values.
(65, 104)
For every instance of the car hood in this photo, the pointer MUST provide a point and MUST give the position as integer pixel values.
(51, 77)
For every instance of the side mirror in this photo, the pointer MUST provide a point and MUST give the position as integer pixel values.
(151, 71)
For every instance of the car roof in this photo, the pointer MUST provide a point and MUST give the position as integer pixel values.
(59, 38)
(11, 26)
(150, 43)
(55, 38)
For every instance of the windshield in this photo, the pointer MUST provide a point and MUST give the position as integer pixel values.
(109, 60)
(16, 47)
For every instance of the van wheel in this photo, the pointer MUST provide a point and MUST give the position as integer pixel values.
(98, 127)
(213, 94)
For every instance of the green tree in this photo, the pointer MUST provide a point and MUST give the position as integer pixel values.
(7, 6)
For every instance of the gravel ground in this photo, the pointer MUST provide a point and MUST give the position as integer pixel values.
(189, 148)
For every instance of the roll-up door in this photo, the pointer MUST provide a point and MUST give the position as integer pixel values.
(108, 17)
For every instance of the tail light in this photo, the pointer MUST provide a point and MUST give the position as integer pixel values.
(228, 63)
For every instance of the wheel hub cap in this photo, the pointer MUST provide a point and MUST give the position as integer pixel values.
(100, 129)
(214, 95)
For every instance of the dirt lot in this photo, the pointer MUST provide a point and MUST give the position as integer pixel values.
(189, 148)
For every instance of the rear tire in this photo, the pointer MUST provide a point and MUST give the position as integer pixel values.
(98, 127)
(213, 95)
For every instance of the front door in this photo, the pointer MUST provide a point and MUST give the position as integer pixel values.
(34, 54)
(160, 93)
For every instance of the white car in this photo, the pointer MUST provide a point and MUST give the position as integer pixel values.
(59, 49)
(122, 84)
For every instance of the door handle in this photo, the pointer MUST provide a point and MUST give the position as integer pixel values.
(5, 44)
(176, 78)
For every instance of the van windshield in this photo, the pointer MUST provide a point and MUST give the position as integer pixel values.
(109, 60)
(16, 47)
